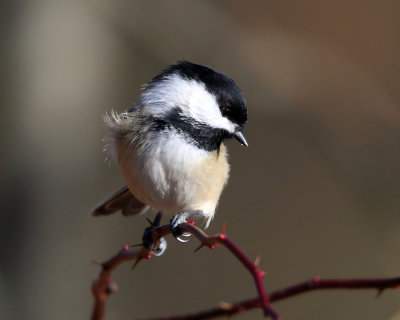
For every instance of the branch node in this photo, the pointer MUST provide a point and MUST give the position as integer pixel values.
(221, 237)
(261, 273)
(316, 280)
(105, 266)
(111, 288)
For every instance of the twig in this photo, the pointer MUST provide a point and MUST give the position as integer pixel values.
(250, 266)
(101, 286)
(230, 309)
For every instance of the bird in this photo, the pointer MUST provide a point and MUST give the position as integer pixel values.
(170, 144)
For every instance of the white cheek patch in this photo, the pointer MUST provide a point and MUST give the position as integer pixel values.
(190, 96)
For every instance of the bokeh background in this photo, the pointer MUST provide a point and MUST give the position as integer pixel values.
(316, 193)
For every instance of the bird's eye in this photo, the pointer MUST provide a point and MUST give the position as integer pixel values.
(225, 110)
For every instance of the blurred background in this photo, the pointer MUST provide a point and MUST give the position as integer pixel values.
(316, 193)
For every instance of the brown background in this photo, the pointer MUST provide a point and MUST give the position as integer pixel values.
(316, 193)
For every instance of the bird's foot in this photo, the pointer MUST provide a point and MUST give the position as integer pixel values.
(157, 246)
(179, 219)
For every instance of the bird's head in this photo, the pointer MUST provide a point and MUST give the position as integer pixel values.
(202, 103)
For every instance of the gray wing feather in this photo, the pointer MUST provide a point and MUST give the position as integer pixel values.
(122, 200)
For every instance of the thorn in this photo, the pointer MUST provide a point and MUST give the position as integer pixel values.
(157, 219)
(199, 247)
(224, 228)
(149, 221)
(225, 306)
(135, 264)
(379, 292)
(257, 261)
(154, 247)
(135, 245)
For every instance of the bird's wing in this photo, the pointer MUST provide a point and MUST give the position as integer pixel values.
(122, 200)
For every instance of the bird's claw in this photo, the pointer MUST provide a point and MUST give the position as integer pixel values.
(186, 235)
(160, 247)
(178, 220)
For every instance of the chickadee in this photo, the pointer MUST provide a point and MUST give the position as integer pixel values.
(170, 144)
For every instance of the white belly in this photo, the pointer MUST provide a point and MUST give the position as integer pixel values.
(173, 176)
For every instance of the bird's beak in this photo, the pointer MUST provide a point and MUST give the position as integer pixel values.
(240, 137)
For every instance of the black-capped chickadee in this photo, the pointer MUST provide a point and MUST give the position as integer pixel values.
(169, 145)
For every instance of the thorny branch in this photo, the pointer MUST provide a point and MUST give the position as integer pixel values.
(316, 283)
(103, 286)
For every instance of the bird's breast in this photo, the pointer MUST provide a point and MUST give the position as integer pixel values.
(173, 176)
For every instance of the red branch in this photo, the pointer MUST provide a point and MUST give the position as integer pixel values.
(103, 286)
(252, 267)
(229, 309)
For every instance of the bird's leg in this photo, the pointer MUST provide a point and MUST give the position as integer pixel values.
(179, 219)
(157, 246)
